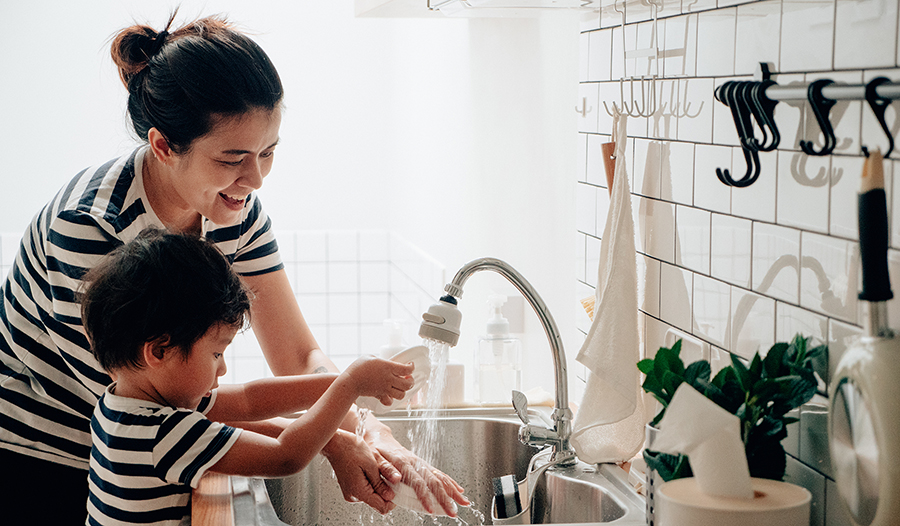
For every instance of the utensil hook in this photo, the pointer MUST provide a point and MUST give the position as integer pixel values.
(728, 94)
(879, 105)
(821, 107)
(763, 109)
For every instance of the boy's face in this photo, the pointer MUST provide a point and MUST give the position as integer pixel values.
(193, 378)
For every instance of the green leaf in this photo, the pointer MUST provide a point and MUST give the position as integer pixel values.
(668, 467)
(670, 382)
(774, 360)
(696, 372)
(646, 366)
(741, 372)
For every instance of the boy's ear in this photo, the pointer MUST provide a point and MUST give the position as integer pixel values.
(156, 351)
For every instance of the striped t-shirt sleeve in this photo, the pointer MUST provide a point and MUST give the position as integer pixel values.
(188, 445)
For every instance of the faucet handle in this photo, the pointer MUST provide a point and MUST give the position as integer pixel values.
(520, 403)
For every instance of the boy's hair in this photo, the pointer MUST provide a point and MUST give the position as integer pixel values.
(171, 287)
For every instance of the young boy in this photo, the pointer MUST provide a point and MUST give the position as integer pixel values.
(159, 313)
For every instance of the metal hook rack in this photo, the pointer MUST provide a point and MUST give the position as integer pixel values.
(759, 98)
(648, 105)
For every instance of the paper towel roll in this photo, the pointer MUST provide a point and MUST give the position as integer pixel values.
(682, 503)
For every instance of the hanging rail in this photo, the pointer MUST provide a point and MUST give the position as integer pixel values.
(759, 98)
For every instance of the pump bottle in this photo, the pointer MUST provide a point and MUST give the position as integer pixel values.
(498, 360)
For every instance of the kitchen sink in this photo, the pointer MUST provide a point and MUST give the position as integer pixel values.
(476, 445)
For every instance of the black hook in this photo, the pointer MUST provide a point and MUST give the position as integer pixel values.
(879, 105)
(730, 94)
(764, 110)
(821, 107)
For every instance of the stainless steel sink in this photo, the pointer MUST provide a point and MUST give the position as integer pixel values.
(475, 446)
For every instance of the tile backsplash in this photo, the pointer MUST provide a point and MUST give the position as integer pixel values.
(738, 269)
(346, 282)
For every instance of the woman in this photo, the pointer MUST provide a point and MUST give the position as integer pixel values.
(206, 100)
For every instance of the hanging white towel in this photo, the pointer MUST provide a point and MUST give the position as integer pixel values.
(609, 425)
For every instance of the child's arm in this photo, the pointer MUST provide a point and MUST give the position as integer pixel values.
(268, 397)
(258, 455)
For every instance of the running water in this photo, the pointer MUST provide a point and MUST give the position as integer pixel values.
(424, 438)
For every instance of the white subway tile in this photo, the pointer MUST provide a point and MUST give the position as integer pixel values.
(843, 220)
(611, 13)
(676, 173)
(637, 11)
(732, 240)
(582, 156)
(648, 285)
(865, 34)
(588, 97)
(343, 309)
(680, 46)
(343, 277)
(712, 310)
(715, 42)
(709, 192)
(600, 62)
(807, 35)
(314, 308)
(584, 56)
(692, 241)
(343, 245)
(654, 335)
(621, 41)
(312, 278)
(658, 218)
(249, 369)
(844, 116)
(374, 276)
(580, 255)
(872, 136)
(693, 6)
(829, 275)
(675, 292)
(312, 246)
(776, 262)
(756, 201)
(757, 22)
(647, 42)
(803, 183)
(287, 245)
(669, 8)
(695, 110)
(753, 323)
(374, 245)
(791, 321)
(586, 209)
(374, 307)
(589, 21)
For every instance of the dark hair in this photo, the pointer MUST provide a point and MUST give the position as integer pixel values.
(180, 82)
(166, 286)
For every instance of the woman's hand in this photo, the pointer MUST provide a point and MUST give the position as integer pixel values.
(359, 470)
(413, 471)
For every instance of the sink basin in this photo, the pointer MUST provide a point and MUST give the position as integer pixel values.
(476, 445)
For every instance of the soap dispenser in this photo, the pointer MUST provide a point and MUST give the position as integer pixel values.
(498, 359)
(393, 330)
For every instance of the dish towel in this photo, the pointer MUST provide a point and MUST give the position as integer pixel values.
(609, 425)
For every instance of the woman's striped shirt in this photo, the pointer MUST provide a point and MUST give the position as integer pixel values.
(49, 380)
(146, 458)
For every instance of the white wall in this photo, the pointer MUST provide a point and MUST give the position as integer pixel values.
(457, 134)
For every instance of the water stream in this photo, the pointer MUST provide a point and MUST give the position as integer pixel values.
(425, 441)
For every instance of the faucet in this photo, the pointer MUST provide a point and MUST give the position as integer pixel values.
(441, 323)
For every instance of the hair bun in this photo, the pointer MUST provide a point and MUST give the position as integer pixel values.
(133, 47)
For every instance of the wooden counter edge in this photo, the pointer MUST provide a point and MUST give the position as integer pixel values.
(211, 503)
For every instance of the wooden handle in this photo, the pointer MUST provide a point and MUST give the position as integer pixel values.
(608, 149)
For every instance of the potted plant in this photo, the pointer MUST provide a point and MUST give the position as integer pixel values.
(759, 394)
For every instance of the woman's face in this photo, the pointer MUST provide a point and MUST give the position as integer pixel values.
(221, 168)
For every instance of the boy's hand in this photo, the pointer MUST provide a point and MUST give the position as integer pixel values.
(383, 379)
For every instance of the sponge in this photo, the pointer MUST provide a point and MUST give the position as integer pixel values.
(507, 502)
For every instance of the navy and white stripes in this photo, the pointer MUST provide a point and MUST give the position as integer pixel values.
(49, 381)
(147, 457)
